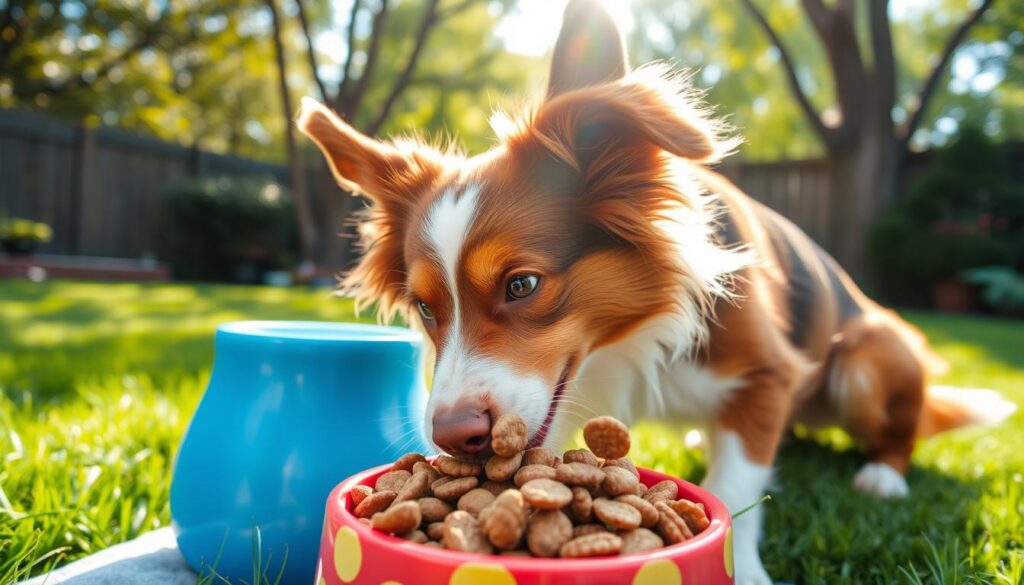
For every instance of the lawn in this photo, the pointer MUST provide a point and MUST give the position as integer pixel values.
(99, 380)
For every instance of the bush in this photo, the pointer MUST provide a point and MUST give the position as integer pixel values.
(227, 229)
(22, 235)
(962, 212)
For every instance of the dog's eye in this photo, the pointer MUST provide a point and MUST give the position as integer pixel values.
(425, 311)
(520, 287)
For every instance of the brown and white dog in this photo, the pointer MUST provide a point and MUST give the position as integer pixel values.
(591, 264)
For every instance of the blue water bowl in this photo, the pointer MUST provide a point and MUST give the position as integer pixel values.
(292, 408)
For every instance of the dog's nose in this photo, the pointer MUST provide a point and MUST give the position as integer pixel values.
(464, 432)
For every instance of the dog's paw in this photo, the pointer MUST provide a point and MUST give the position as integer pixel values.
(752, 575)
(878, 479)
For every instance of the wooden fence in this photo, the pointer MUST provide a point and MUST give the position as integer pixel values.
(100, 189)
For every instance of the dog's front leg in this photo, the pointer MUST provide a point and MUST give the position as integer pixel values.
(742, 445)
(739, 482)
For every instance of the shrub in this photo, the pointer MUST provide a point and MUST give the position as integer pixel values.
(227, 229)
(22, 235)
(962, 212)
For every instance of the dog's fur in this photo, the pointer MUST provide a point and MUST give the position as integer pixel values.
(664, 292)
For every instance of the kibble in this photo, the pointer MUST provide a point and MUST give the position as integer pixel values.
(587, 503)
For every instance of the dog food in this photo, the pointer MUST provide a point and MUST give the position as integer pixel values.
(587, 503)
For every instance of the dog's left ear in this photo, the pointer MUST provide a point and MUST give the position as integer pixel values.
(648, 107)
(589, 50)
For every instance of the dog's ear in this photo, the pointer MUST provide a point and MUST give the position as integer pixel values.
(589, 50)
(361, 164)
(394, 178)
(649, 107)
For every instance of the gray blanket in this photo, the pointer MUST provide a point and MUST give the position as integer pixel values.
(151, 559)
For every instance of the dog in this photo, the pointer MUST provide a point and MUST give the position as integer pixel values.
(591, 263)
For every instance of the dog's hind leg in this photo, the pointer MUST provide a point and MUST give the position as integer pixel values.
(877, 384)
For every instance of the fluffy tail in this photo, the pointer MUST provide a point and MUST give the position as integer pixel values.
(947, 408)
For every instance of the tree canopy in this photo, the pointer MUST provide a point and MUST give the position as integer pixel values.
(202, 71)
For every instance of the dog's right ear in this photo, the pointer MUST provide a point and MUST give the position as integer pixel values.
(361, 164)
(394, 178)
(589, 50)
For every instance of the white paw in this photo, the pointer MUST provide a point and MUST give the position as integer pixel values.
(749, 570)
(752, 575)
(881, 480)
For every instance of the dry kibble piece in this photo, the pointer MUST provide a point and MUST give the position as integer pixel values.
(548, 531)
(454, 489)
(648, 513)
(582, 504)
(530, 472)
(504, 520)
(475, 500)
(618, 481)
(435, 530)
(607, 437)
(424, 467)
(671, 526)
(434, 509)
(374, 503)
(397, 519)
(580, 456)
(662, 491)
(585, 529)
(392, 481)
(508, 435)
(433, 544)
(694, 515)
(539, 456)
(617, 514)
(462, 532)
(407, 462)
(359, 493)
(592, 545)
(417, 536)
(546, 494)
(418, 486)
(579, 474)
(500, 468)
(496, 487)
(639, 540)
(625, 463)
(456, 467)
(365, 521)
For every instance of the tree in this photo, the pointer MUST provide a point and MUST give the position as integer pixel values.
(396, 66)
(196, 72)
(865, 146)
(296, 170)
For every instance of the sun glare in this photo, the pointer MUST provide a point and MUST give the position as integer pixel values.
(532, 26)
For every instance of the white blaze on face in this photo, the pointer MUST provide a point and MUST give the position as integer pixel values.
(460, 372)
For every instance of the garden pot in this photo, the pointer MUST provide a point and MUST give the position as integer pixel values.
(291, 409)
(955, 296)
(20, 246)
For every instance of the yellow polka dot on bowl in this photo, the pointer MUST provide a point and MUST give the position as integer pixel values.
(728, 551)
(663, 572)
(348, 554)
(481, 574)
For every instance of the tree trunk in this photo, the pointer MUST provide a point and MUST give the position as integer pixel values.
(864, 178)
(296, 172)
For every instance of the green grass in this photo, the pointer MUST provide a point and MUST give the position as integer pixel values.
(98, 382)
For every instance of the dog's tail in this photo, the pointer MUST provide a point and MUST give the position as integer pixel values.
(946, 408)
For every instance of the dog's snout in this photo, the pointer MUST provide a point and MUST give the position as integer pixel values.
(463, 432)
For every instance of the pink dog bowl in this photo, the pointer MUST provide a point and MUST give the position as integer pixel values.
(351, 552)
